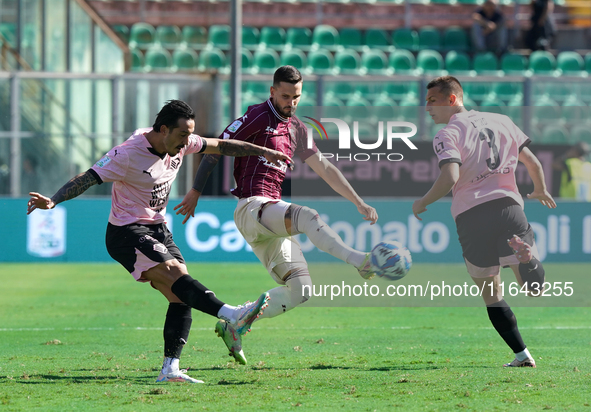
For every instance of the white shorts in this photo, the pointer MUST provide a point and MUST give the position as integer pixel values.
(272, 249)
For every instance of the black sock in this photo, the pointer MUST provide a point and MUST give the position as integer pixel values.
(532, 274)
(503, 320)
(196, 295)
(176, 329)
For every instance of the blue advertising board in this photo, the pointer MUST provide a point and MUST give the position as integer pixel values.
(75, 231)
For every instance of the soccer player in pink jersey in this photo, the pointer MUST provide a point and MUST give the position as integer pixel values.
(478, 154)
(142, 170)
(268, 223)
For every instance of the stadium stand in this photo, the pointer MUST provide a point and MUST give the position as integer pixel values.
(325, 37)
(194, 37)
(294, 57)
(402, 62)
(406, 39)
(299, 38)
(184, 59)
(429, 38)
(272, 38)
(430, 62)
(157, 59)
(376, 38)
(168, 37)
(458, 63)
(455, 38)
(347, 61)
(141, 35)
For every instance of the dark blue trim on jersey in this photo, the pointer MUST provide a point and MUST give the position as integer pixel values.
(525, 144)
(450, 160)
(96, 176)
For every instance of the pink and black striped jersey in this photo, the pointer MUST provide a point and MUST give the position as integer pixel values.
(264, 126)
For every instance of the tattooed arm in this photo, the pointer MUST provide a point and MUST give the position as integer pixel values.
(239, 148)
(75, 187)
(215, 148)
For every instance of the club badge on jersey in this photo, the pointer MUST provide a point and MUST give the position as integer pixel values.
(104, 161)
(234, 126)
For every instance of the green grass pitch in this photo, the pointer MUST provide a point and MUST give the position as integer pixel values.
(87, 337)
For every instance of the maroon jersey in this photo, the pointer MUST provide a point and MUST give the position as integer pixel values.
(264, 126)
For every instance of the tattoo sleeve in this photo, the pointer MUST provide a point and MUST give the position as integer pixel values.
(208, 163)
(239, 148)
(75, 187)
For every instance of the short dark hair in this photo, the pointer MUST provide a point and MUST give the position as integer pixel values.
(288, 74)
(171, 112)
(448, 85)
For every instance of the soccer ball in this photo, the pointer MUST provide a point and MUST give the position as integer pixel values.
(390, 260)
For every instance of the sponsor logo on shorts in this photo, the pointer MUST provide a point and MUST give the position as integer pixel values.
(160, 248)
(234, 126)
(104, 161)
(142, 239)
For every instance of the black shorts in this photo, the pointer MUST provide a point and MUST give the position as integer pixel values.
(141, 247)
(483, 231)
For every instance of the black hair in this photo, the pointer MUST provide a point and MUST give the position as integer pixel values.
(287, 74)
(171, 112)
(448, 85)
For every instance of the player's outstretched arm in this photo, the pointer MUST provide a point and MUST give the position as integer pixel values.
(534, 168)
(75, 187)
(335, 179)
(449, 175)
(239, 148)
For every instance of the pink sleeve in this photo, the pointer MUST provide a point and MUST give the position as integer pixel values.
(195, 144)
(112, 167)
(521, 139)
(446, 148)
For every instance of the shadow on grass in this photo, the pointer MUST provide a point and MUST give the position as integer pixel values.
(50, 379)
(235, 383)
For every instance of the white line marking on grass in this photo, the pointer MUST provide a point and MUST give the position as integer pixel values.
(141, 328)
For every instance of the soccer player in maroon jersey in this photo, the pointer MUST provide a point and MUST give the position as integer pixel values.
(268, 223)
(478, 154)
(142, 170)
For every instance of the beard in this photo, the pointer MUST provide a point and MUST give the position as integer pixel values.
(282, 112)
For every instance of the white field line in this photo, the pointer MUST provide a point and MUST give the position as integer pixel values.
(119, 328)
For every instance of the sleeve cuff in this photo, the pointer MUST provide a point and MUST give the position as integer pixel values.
(450, 160)
(96, 176)
(525, 144)
(204, 145)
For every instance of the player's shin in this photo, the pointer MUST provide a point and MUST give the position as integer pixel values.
(196, 295)
(176, 329)
(533, 275)
(504, 321)
(307, 221)
(296, 291)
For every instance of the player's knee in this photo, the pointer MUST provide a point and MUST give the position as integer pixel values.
(305, 220)
(533, 276)
(300, 283)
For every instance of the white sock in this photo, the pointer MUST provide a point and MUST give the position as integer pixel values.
(170, 365)
(226, 313)
(523, 355)
(307, 221)
(284, 298)
(356, 258)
